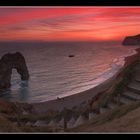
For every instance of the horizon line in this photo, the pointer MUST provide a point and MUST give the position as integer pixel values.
(69, 6)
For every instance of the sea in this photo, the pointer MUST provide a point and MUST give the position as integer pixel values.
(54, 74)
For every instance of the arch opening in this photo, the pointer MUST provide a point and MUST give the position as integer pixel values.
(9, 62)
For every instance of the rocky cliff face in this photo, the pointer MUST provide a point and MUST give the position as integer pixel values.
(7, 63)
(132, 40)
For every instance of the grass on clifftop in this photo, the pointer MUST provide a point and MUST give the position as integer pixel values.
(106, 117)
(7, 126)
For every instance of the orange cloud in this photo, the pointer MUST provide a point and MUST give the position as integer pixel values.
(87, 23)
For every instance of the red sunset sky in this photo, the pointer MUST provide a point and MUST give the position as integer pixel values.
(68, 23)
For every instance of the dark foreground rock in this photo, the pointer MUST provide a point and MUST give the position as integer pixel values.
(132, 40)
(9, 62)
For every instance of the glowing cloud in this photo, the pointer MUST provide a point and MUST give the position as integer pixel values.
(85, 23)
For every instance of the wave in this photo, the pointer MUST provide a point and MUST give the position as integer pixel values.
(53, 74)
(116, 65)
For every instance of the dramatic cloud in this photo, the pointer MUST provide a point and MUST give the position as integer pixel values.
(87, 23)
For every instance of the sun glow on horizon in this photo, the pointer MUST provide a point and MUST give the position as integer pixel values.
(68, 24)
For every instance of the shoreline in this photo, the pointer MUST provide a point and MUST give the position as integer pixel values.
(113, 67)
(76, 99)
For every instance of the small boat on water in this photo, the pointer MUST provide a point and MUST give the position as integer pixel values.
(71, 55)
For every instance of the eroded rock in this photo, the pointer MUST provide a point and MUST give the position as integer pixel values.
(9, 62)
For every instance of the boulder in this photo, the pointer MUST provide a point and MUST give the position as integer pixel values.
(81, 120)
(92, 115)
(71, 122)
(61, 122)
(52, 123)
(40, 123)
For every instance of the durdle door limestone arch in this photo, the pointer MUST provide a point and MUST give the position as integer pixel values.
(7, 63)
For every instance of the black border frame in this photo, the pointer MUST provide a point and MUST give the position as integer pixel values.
(69, 3)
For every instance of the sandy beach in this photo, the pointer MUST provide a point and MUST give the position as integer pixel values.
(76, 99)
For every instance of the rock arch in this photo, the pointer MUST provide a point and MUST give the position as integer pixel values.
(9, 62)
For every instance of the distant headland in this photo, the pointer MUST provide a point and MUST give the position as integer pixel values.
(132, 40)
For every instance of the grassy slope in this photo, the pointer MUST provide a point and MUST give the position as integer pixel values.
(113, 121)
(123, 119)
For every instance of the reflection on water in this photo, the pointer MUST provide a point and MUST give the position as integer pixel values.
(21, 94)
(53, 74)
(6, 94)
(23, 91)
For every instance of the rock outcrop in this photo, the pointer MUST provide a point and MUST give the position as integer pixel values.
(132, 40)
(9, 62)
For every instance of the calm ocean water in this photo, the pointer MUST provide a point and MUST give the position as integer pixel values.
(53, 74)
